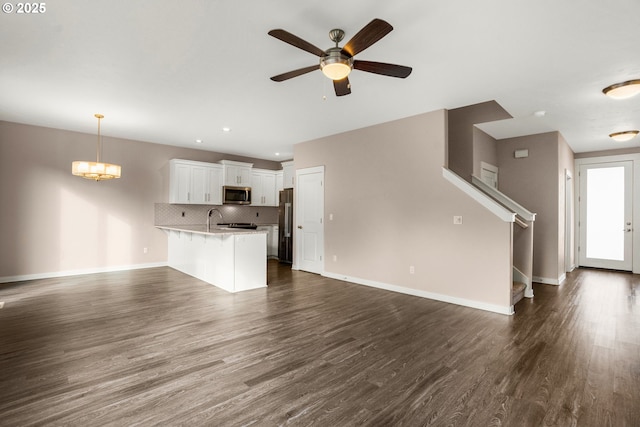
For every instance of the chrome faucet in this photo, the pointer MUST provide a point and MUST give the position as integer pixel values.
(209, 217)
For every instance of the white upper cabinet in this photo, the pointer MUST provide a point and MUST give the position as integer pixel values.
(237, 174)
(263, 188)
(289, 174)
(192, 182)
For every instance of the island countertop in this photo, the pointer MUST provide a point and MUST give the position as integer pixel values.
(202, 229)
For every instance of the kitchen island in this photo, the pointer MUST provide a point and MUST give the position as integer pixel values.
(231, 259)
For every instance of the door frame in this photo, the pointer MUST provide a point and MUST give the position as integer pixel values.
(635, 240)
(569, 255)
(296, 211)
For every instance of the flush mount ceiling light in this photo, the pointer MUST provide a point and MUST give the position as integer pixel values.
(97, 170)
(623, 136)
(623, 90)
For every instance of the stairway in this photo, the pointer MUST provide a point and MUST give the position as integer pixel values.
(517, 292)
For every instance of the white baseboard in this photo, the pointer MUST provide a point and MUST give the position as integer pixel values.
(508, 310)
(550, 281)
(53, 274)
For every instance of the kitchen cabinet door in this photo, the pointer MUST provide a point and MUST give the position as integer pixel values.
(179, 182)
(263, 188)
(237, 174)
(214, 185)
(199, 185)
(193, 182)
(289, 174)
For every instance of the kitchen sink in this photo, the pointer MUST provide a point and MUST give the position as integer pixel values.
(244, 225)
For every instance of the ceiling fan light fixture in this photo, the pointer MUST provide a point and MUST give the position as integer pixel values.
(623, 90)
(624, 136)
(336, 65)
(336, 71)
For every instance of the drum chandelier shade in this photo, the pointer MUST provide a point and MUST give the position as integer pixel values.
(97, 171)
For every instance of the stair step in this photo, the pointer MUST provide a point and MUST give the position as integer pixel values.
(517, 292)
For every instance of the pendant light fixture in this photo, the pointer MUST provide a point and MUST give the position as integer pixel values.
(97, 170)
(623, 136)
(623, 90)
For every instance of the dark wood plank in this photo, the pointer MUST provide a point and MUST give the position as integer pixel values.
(155, 346)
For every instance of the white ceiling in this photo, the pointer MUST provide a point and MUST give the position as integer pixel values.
(172, 72)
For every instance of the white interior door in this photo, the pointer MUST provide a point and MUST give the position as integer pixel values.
(309, 224)
(606, 228)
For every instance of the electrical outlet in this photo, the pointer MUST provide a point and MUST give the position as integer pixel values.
(457, 219)
(335, 258)
(330, 217)
(412, 269)
(145, 250)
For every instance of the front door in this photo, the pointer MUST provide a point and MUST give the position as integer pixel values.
(309, 212)
(606, 227)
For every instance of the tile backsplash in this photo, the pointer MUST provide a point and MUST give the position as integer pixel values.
(171, 214)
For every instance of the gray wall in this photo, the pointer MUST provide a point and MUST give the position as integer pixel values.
(537, 183)
(484, 150)
(461, 134)
(392, 208)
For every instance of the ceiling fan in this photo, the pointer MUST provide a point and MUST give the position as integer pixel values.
(336, 63)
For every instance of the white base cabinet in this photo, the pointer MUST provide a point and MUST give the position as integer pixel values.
(233, 262)
(272, 239)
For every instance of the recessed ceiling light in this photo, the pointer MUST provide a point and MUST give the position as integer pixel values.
(277, 154)
(540, 113)
(623, 90)
(198, 141)
(226, 129)
(623, 136)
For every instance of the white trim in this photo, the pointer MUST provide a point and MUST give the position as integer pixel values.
(508, 310)
(53, 274)
(635, 158)
(480, 197)
(569, 207)
(504, 199)
(297, 253)
(549, 281)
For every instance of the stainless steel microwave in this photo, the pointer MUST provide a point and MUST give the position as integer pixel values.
(236, 195)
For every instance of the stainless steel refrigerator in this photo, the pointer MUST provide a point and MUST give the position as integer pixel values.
(285, 222)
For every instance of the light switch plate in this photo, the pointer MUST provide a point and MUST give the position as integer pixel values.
(457, 219)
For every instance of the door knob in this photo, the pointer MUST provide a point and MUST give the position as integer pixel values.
(300, 227)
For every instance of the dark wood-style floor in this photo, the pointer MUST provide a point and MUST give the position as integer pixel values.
(155, 346)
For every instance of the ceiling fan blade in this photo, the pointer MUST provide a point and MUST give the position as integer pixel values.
(295, 73)
(342, 87)
(296, 41)
(391, 70)
(371, 33)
